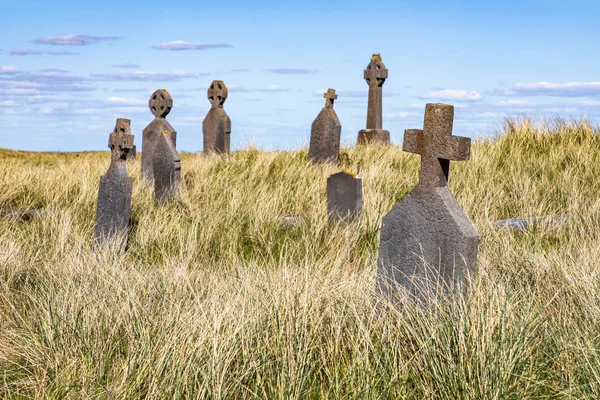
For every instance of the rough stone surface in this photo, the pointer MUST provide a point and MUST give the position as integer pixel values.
(325, 133)
(114, 194)
(216, 127)
(132, 154)
(160, 105)
(375, 75)
(344, 197)
(426, 239)
(167, 170)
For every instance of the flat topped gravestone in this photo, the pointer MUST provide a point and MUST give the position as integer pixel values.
(114, 194)
(160, 104)
(426, 239)
(344, 197)
(216, 127)
(325, 133)
(375, 75)
(167, 169)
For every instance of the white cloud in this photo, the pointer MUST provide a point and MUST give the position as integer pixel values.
(74, 40)
(569, 89)
(125, 101)
(450, 94)
(182, 45)
(8, 70)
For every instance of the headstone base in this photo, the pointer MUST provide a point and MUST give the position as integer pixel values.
(373, 136)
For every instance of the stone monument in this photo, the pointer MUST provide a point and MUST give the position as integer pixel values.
(160, 104)
(167, 169)
(216, 126)
(325, 133)
(114, 193)
(375, 75)
(344, 197)
(426, 239)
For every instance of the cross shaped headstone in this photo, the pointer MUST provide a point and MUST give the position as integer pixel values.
(120, 140)
(217, 93)
(436, 145)
(160, 103)
(330, 97)
(375, 74)
(427, 242)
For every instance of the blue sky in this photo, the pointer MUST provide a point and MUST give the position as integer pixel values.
(68, 69)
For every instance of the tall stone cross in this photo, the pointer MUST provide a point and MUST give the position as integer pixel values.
(216, 127)
(325, 133)
(375, 74)
(428, 246)
(160, 105)
(114, 193)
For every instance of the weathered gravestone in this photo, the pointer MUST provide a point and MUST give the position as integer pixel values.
(167, 169)
(216, 127)
(132, 154)
(344, 197)
(325, 133)
(375, 75)
(427, 241)
(160, 104)
(114, 194)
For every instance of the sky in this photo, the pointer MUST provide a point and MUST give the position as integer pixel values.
(68, 69)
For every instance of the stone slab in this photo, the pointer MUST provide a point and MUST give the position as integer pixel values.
(344, 197)
(167, 170)
(325, 133)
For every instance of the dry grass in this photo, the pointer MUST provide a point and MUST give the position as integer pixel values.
(215, 298)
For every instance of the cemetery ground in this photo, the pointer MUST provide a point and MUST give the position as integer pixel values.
(218, 297)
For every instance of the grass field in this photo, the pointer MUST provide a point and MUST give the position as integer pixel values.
(216, 298)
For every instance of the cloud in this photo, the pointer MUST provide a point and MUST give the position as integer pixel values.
(27, 83)
(402, 115)
(570, 89)
(8, 70)
(57, 70)
(513, 102)
(240, 70)
(24, 52)
(126, 65)
(449, 94)
(181, 45)
(271, 88)
(132, 90)
(61, 53)
(145, 76)
(128, 101)
(293, 71)
(74, 40)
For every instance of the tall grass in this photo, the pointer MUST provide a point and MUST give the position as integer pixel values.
(217, 298)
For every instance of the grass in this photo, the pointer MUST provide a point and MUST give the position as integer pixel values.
(216, 298)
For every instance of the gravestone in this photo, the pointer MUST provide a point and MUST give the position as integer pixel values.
(167, 170)
(132, 154)
(114, 193)
(426, 239)
(216, 127)
(160, 104)
(375, 75)
(325, 133)
(344, 197)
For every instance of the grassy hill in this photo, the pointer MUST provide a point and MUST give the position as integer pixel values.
(217, 298)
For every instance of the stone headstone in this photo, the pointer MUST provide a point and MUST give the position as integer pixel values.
(160, 104)
(325, 133)
(344, 197)
(375, 75)
(114, 194)
(216, 127)
(167, 170)
(132, 154)
(426, 239)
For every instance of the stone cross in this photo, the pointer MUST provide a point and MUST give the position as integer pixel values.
(427, 242)
(375, 75)
(344, 197)
(160, 105)
(167, 170)
(325, 133)
(114, 192)
(216, 127)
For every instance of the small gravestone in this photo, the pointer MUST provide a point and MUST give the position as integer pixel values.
(216, 126)
(325, 133)
(160, 104)
(426, 238)
(114, 194)
(344, 197)
(132, 154)
(167, 170)
(375, 75)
